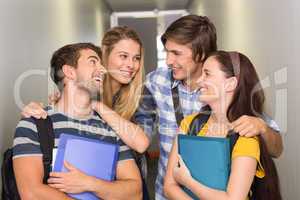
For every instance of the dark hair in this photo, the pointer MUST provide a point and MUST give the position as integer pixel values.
(196, 31)
(248, 99)
(68, 55)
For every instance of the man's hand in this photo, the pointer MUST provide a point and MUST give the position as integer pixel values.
(249, 126)
(73, 181)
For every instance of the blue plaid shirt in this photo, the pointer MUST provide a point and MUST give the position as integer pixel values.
(157, 104)
(156, 108)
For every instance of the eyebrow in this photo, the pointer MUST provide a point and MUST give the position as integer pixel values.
(172, 51)
(128, 53)
(95, 57)
(122, 52)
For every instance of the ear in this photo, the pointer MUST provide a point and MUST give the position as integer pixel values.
(69, 72)
(231, 84)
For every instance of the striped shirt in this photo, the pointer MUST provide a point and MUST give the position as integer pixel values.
(157, 109)
(26, 141)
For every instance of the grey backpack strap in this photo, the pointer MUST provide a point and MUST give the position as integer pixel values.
(176, 102)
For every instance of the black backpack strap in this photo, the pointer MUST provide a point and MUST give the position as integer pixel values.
(46, 138)
(197, 123)
(176, 102)
(233, 137)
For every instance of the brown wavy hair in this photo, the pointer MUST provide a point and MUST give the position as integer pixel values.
(248, 99)
(198, 32)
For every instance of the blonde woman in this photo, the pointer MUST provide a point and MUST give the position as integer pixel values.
(123, 57)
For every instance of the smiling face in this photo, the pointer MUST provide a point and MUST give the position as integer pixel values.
(180, 59)
(89, 71)
(124, 61)
(214, 85)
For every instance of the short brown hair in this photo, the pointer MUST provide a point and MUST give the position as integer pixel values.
(68, 55)
(196, 31)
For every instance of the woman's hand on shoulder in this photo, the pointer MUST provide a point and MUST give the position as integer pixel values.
(34, 109)
(54, 98)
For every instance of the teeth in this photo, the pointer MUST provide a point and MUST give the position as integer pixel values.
(97, 79)
(175, 68)
(202, 89)
(126, 73)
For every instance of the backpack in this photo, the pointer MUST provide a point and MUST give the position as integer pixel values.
(46, 139)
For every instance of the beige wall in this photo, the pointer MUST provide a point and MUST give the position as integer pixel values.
(268, 32)
(30, 31)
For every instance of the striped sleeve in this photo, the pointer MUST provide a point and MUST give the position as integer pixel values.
(125, 153)
(26, 141)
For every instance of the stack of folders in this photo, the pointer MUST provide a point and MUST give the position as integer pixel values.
(91, 156)
(208, 160)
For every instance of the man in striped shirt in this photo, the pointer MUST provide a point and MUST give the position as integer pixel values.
(77, 71)
(188, 41)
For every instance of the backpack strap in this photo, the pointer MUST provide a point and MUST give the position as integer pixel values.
(197, 123)
(176, 102)
(233, 137)
(46, 138)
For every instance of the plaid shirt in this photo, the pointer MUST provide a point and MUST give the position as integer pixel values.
(157, 109)
(157, 104)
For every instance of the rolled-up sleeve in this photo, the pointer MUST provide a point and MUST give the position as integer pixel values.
(271, 123)
(146, 115)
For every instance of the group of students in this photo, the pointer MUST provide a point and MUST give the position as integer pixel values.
(130, 108)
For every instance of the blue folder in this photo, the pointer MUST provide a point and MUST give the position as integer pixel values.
(208, 160)
(91, 156)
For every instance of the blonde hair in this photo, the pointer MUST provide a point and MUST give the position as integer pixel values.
(129, 95)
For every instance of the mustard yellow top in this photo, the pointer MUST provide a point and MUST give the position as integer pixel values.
(243, 147)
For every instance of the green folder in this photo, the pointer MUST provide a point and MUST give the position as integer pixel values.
(207, 158)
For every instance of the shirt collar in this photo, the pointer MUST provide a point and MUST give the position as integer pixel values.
(175, 83)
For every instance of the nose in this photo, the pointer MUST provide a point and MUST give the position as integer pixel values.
(130, 63)
(101, 69)
(200, 79)
(169, 59)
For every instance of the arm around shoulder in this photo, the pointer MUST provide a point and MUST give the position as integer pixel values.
(132, 135)
(273, 140)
